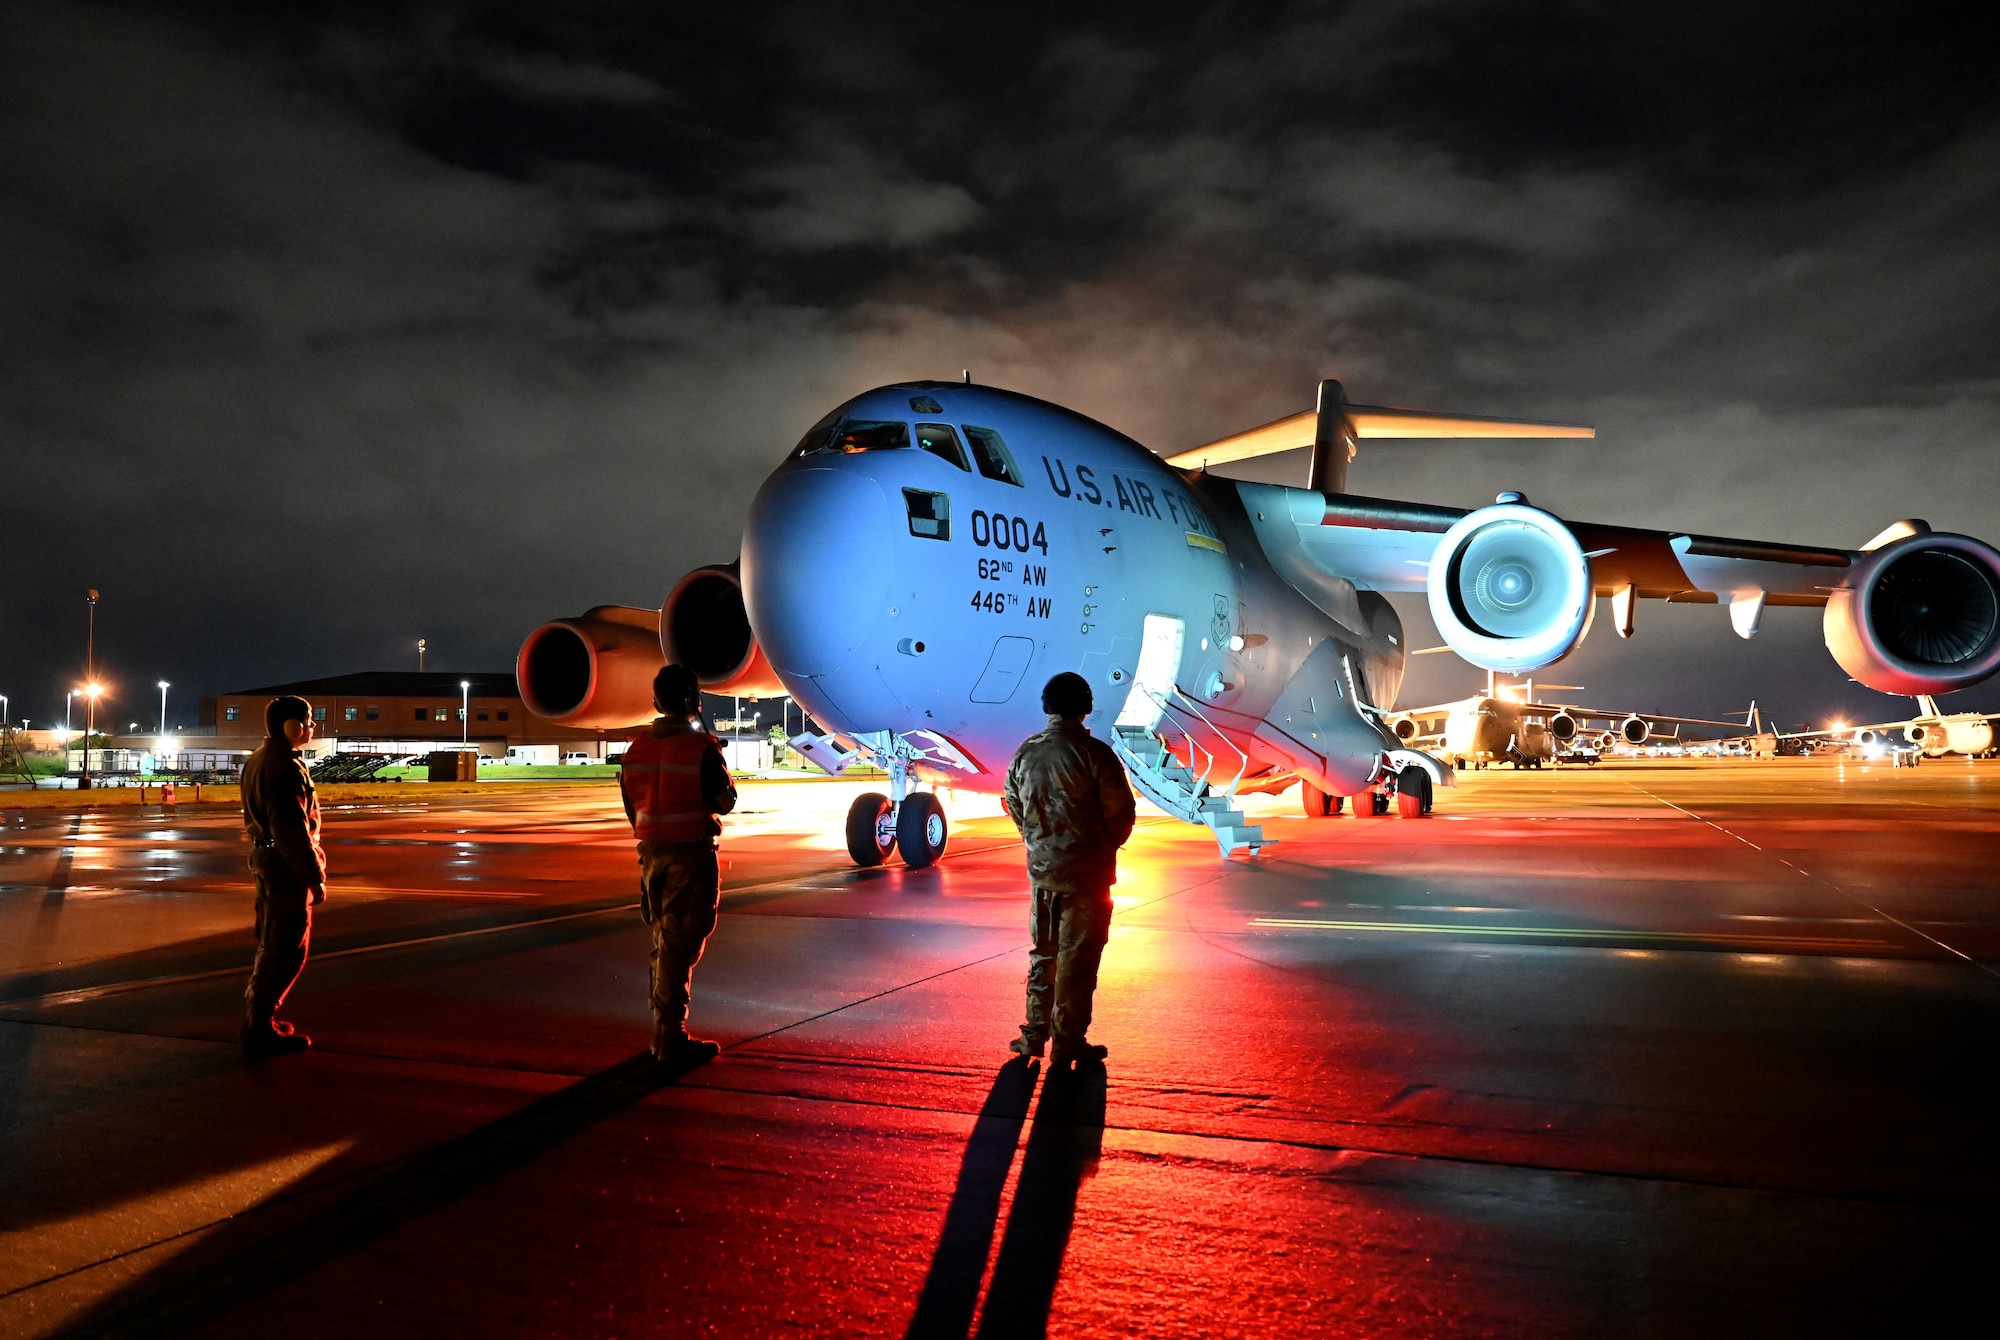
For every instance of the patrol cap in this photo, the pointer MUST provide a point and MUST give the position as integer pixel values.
(1067, 695)
(675, 687)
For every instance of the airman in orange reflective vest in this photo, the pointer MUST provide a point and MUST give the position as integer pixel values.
(674, 783)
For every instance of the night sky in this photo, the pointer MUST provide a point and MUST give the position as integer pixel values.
(330, 329)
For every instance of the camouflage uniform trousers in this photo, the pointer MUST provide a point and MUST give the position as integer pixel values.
(680, 888)
(1070, 929)
(284, 931)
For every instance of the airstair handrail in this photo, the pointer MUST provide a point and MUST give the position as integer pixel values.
(1203, 717)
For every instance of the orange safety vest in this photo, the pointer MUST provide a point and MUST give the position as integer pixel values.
(662, 780)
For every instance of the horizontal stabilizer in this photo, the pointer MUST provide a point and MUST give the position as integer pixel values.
(1299, 431)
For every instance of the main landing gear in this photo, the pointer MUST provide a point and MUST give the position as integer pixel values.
(878, 825)
(1409, 791)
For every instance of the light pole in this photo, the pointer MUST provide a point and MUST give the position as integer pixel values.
(464, 712)
(163, 707)
(90, 680)
(90, 695)
(420, 656)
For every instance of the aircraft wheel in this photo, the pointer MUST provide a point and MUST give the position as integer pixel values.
(870, 838)
(1318, 804)
(1413, 792)
(1370, 803)
(921, 830)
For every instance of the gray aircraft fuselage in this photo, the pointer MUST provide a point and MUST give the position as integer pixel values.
(895, 589)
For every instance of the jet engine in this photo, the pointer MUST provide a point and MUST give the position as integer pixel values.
(594, 671)
(1918, 733)
(1563, 727)
(1635, 730)
(1510, 587)
(1920, 615)
(1405, 728)
(704, 627)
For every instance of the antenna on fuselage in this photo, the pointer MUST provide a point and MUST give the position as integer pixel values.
(967, 374)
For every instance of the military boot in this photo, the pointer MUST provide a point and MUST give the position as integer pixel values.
(263, 1041)
(1065, 1052)
(673, 1046)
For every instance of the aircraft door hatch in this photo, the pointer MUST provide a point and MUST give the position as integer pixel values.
(1158, 671)
(1004, 669)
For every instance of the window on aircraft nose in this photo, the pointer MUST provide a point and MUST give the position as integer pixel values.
(941, 442)
(991, 453)
(818, 437)
(870, 435)
(930, 514)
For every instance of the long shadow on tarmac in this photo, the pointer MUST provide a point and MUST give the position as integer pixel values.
(259, 1251)
(1062, 1149)
(951, 1289)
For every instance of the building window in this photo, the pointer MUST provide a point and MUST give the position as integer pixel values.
(441, 715)
(319, 714)
(374, 713)
(232, 713)
(461, 714)
(350, 714)
(423, 714)
(503, 714)
(482, 714)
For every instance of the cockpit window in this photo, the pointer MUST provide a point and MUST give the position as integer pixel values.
(817, 436)
(930, 514)
(940, 441)
(992, 456)
(870, 435)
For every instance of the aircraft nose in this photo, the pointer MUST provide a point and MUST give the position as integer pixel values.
(816, 567)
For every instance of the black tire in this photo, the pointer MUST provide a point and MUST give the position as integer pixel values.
(921, 830)
(1317, 803)
(867, 842)
(1413, 792)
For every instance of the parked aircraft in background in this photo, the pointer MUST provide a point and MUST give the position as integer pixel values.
(1506, 724)
(930, 553)
(1931, 731)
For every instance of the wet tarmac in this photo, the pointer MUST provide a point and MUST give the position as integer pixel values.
(1653, 1050)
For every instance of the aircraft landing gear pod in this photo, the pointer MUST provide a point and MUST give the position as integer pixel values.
(1510, 588)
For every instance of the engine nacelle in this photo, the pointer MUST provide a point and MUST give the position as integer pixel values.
(1510, 588)
(704, 626)
(594, 671)
(1635, 730)
(1563, 727)
(1918, 733)
(1405, 728)
(1921, 615)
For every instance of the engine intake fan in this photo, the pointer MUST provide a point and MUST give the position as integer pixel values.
(1920, 615)
(1510, 588)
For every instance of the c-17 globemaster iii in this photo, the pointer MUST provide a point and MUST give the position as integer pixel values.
(929, 553)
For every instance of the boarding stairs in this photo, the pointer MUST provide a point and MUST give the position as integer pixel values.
(1176, 788)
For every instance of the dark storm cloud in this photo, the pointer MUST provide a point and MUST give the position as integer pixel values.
(325, 333)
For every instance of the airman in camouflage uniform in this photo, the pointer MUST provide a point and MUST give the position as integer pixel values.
(281, 816)
(1067, 793)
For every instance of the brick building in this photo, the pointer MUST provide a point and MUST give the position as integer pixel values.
(417, 709)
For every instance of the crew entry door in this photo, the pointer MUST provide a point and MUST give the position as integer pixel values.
(1158, 671)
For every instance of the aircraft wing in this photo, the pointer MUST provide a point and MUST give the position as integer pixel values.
(1384, 545)
(1596, 715)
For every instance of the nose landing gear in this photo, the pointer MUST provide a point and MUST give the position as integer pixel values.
(913, 821)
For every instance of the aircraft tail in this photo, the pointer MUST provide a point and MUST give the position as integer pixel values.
(1334, 428)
